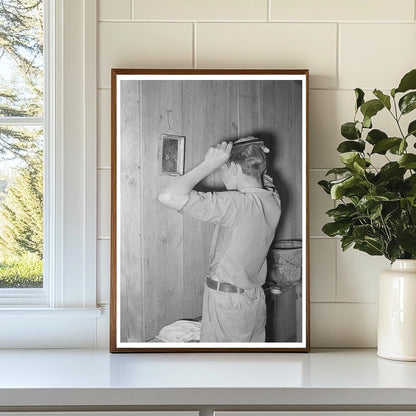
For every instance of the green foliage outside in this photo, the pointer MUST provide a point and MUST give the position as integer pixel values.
(21, 214)
(21, 271)
(376, 211)
(21, 148)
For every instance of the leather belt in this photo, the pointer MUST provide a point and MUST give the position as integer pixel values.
(223, 287)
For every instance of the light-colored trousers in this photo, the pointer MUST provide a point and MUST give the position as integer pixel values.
(233, 317)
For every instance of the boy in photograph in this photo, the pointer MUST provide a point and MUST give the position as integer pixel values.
(246, 216)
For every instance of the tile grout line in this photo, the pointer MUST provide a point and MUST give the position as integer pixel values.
(323, 237)
(335, 90)
(336, 271)
(338, 65)
(131, 9)
(269, 8)
(309, 22)
(194, 63)
(352, 302)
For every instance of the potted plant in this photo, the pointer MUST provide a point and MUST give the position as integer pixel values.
(376, 209)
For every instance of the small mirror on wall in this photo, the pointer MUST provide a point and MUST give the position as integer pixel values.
(172, 154)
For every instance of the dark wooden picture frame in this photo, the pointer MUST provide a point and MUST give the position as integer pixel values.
(159, 256)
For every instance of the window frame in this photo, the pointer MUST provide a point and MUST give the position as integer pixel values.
(70, 182)
(37, 296)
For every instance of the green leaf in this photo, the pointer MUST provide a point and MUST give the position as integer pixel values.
(350, 131)
(368, 201)
(336, 228)
(346, 242)
(407, 240)
(393, 92)
(368, 248)
(338, 189)
(374, 243)
(338, 171)
(385, 99)
(394, 251)
(412, 200)
(359, 95)
(411, 180)
(400, 148)
(350, 187)
(359, 165)
(349, 146)
(361, 231)
(408, 161)
(408, 102)
(342, 211)
(349, 158)
(371, 108)
(411, 185)
(367, 122)
(325, 186)
(375, 211)
(391, 170)
(411, 130)
(375, 136)
(383, 145)
(408, 82)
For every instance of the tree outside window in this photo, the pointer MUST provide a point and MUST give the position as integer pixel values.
(21, 143)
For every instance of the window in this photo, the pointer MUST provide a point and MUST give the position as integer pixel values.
(22, 138)
(63, 312)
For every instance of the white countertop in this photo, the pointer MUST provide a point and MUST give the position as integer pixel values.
(96, 377)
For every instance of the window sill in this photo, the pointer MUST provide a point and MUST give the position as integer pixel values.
(36, 312)
(40, 327)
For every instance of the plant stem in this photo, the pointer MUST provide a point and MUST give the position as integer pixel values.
(388, 234)
(396, 119)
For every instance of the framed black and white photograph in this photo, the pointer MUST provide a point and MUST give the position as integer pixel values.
(209, 210)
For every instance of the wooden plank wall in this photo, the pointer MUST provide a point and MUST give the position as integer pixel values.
(210, 115)
(171, 264)
(131, 318)
(162, 227)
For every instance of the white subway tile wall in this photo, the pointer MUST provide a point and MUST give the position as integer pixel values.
(323, 269)
(142, 45)
(366, 48)
(103, 271)
(200, 10)
(345, 44)
(114, 10)
(104, 202)
(104, 129)
(270, 45)
(357, 275)
(342, 10)
(338, 325)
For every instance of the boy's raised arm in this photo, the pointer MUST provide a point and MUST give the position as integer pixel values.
(177, 193)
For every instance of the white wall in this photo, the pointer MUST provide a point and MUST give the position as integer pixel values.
(345, 44)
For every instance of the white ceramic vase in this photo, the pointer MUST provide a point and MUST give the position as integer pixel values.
(397, 312)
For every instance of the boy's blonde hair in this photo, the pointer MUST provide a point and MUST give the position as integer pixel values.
(251, 156)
